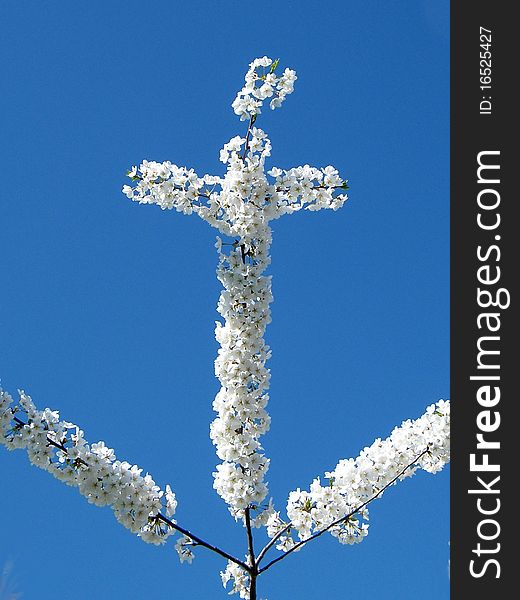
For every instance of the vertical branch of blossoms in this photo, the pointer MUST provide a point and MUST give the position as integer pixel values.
(241, 211)
(240, 367)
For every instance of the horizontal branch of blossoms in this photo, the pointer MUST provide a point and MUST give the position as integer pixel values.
(245, 192)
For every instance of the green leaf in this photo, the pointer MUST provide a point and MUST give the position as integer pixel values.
(274, 65)
(133, 177)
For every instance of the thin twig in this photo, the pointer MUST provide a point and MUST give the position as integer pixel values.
(250, 549)
(271, 543)
(246, 146)
(201, 542)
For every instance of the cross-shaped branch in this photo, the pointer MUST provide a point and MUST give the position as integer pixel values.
(240, 205)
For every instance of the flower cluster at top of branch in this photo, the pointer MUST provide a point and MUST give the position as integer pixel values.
(228, 203)
(60, 448)
(262, 84)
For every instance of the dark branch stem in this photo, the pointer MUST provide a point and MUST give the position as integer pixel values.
(253, 570)
(271, 543)
(316, 187)
(248, 134)
(63, 449)
(201, 542)
(337, 521)
(51, 442)
(250, 549)
(252, 586)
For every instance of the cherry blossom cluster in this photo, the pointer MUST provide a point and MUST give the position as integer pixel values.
(239, 578)
(245, 192)
(240, 368)
(261, 82)
(309, 188)
(60, 448)
(183, 547)
(340, 506)
(166, 185)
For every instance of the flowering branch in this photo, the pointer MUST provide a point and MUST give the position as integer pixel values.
(344, 518)
(75, 461)
(240, 205)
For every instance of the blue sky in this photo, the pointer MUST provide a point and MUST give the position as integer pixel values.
(108, 308)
